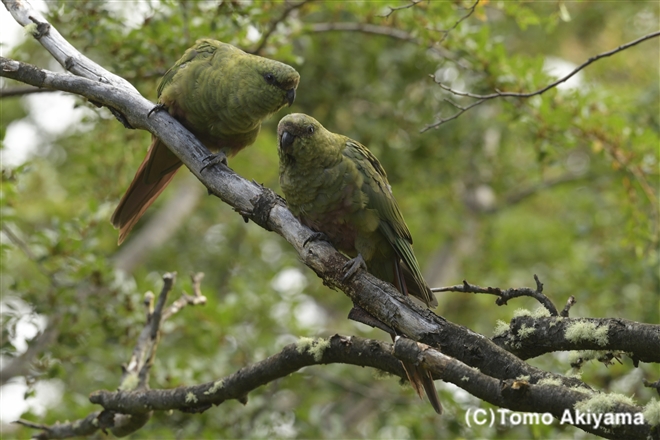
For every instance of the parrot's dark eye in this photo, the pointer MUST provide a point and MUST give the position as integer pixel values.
(310, 129)
(270, 78)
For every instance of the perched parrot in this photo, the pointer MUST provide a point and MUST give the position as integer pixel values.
(337, 187)
(221, 94)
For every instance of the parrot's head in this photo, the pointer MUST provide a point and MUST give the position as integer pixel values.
(275, 84)
(302, 138)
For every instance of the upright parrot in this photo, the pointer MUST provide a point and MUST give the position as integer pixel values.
(221, 94)
(337, 187)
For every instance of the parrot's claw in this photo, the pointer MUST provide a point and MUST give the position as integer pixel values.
(352, 267)
(157, 108)
(316, 236)
(214, 159)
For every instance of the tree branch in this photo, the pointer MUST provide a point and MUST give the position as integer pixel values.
(523, 394)
(393, 9)
(531, 336)
(470, 9)
(135, 376)
(12, 92)
(386, 31)
(498, 94)
(273, 25)
(505, 295)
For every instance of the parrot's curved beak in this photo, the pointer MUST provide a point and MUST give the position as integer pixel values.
(290, 96)
(286, 140)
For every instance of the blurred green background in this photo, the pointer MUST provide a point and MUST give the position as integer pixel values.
(562, 185)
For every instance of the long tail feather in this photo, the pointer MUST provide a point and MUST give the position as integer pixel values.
(152, 177)
(422, 381)
(420, 378)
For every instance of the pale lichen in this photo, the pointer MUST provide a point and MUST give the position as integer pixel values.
(216, 386)
(541, 312)
(521, 312)
(525, 331)
(130, 382)
(315, 347)
(549, 381)
(603, 402)
(652, 412)
(501, 328)
(587, 331)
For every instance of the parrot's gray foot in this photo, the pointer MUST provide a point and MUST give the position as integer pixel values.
(157, 108)
(214, 159)
(352, 267)
(316, 236)
(358, 314)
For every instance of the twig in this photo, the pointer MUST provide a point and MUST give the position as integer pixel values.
(505, 295)
(196, 299)
(386, 31)
(20, 365)
(80, 428)
(571, 301)
(455, 115)
(655, 385)
(19, 243)
(498, 94)
(398, 8)
(273, 25)
(471, 10)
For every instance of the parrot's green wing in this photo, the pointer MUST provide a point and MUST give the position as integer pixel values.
(203, 49)
(392, 224)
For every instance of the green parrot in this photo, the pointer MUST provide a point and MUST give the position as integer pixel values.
(337, 187)
(221, 94)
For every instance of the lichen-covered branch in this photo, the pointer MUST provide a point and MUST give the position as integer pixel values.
(523, 394)
(529, 336)
(306, 352)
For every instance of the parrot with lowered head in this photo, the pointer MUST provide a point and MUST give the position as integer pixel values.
(337, 187)
(220, 94)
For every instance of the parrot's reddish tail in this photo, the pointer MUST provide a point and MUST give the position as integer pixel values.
(155, 172)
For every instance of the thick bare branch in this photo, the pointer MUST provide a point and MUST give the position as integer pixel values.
(63, 52)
